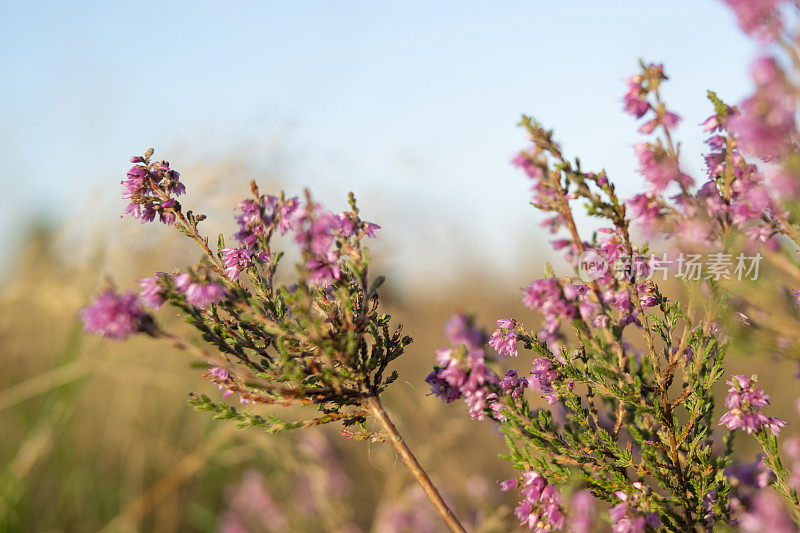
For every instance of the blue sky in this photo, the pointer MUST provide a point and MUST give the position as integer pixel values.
(411, 104)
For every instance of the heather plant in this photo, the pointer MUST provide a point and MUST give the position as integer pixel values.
(316, 342)
(620, 396)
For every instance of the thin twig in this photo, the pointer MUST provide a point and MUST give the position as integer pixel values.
(374, 405)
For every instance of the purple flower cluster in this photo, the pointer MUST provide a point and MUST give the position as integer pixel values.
(745, 400)
(635, 99)
(463, 374)
(513, 385)
(766, 124)
(504, 338)
(758, 18)
(646, 208)
(659, 168)
(534, 164)
(316, 230)
(540, 505)
(112, 315)
(556, 304)
(542, 378)
(748, 199)
(236, 260)
(656, 163)
(629, 516)
(150, 187)
(201, 293)
(461, 330)
(153, 292)
(257, 216)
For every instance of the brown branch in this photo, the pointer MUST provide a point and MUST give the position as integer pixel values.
(374, 405)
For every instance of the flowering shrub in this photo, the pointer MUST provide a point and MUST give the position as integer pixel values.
(318, 341)
(618, 405)
(626, 367)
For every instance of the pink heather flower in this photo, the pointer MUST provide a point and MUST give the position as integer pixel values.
(543, 375)
(447, 377)
(219, 372)
(526, 162)
(112, 315)
(370, 229)
(766, 123)
(621, 300)
(711, 124)
(513, 385)
(745, 400)
(540, 507)
(344, 224)
(647, 295)
(315, 229)
(710, 196)
(455, 376)
(201, 294)
(635, 99)
(574, 291)
(223, 375)
(324, 269)
(628, 517)
(440, 387)
(504, 339)
(146, 185)
(646, 210)
(509, 484)
(477, 402)
(152, 292)
(541, 292)
(668, 121)
(765, 128)
(658, 168)
(496, 406)
(758, 18)
(256, 216)
(235, 260)
(348, 224)
(461, 330)
(545, 296)
(755, 474)
(287, 212)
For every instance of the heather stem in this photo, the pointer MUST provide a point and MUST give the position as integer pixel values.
(374, 405)
(201, 242)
